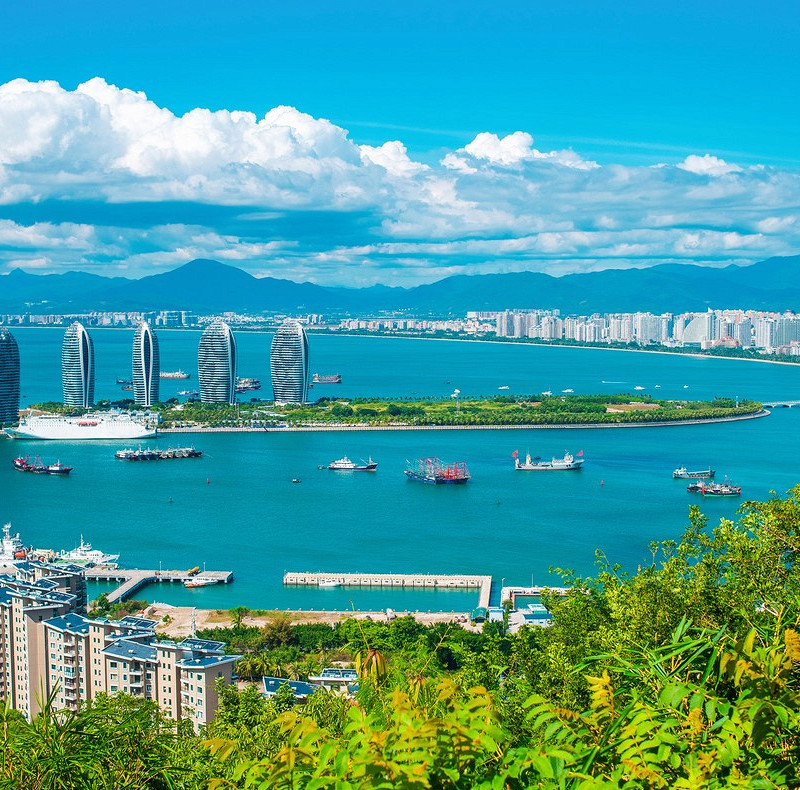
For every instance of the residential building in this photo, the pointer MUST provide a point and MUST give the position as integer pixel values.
(9, 377)
(216, 364)
(289, 363)
(77, 366)
(50, 649)
(146, 365)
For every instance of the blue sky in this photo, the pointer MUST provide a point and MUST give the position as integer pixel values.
(423, 139)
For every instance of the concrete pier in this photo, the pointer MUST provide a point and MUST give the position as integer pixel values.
(511, 593)
(132, 579)
(408, 580)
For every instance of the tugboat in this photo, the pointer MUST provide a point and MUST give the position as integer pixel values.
(567, 463)
(346, 465)
(433, 471)
(682, 473)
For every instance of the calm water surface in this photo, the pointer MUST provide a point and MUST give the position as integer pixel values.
(237, 509)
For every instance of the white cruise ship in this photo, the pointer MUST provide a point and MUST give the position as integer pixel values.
(103, 425)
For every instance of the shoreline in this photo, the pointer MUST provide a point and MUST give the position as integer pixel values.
(523, 427)
(691, 355)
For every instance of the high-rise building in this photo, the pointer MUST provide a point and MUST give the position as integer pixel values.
(289, 363)
(9, 377)
(77, 366)
(216, 364)
(146, 365)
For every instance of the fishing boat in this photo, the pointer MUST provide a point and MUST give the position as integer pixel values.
(433, 471)
(696, 486)
(682, 473)
(568, 463)
(37, 466)
(721, 489)
(346, 465)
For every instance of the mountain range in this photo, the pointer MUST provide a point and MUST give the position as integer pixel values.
(206, 286)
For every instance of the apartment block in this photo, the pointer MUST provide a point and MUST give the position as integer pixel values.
(49, 648)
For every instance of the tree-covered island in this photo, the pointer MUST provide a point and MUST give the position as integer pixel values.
(466, 411)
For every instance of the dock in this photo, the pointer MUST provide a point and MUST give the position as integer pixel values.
(413, 580)
(511, 593)
(132, 579)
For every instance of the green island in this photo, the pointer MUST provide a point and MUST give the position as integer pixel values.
(683, 674)
(467, 411)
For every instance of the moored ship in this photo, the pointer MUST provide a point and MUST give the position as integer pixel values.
(246, 384)
(101, 425)
(568, 463)
(152, 454)
(433, 471)
(11, 548)
(318, 378)
(86, 556)
(346, 465)
(200, 581)
(682, 473)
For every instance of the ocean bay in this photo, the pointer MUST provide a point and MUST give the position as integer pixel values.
(237, 509)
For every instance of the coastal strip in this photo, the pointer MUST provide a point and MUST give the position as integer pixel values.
(520, 427)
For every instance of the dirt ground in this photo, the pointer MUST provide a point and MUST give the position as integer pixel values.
(179, 622)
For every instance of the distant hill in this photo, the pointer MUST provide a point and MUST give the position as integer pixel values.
(207, 286)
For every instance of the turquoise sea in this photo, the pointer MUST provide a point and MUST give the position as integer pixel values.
(237, 509)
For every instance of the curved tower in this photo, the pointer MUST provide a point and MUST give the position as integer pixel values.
(77, 366)
(9, 377)
(289, 363)
(216, 364)
(146, 365)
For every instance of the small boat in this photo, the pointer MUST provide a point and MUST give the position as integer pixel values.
(682, 473)
(547, 393)
(124, 382)
(200, 581)
(58, 469)
(637, 387)
(432, 470)
(174, 374)
(568, 390)
(128, 387)
(568, 463)
(504, 387)
(189, 393)
(245, 384)
(318, 378)
(295, 479)
(346, 465)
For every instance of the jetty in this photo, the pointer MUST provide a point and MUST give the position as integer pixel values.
(132, 579)
(417, 581)
(511, 593)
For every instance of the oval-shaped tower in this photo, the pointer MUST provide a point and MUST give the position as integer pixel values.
(9, 378)
(146, 365)
(289, 363)
(77, 366)
(216, 364)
